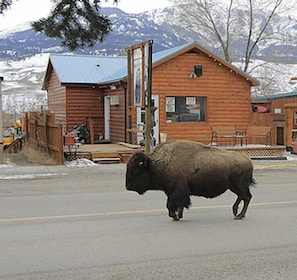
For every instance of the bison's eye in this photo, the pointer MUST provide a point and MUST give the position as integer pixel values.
(140, 163)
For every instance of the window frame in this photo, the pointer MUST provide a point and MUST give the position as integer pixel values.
(185, 109)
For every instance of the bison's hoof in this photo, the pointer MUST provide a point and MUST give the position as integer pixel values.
(238, 217)
(173, 215)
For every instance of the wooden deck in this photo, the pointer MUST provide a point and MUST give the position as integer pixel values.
(120, 152)
(102, 153)
(260, 151)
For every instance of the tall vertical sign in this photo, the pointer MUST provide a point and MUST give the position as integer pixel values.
(138, 94)
(140, 82)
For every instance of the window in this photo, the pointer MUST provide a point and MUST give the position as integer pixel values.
(185, 109)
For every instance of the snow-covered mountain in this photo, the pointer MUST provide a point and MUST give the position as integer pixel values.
(128, 29)
(21, 87)
(24, 53)
(159, 25)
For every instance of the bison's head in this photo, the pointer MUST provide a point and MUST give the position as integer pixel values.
(138, 173)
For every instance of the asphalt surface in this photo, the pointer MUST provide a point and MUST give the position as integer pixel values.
(76, 222)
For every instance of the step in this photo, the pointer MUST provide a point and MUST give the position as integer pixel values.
(104, 154)
(107, 160)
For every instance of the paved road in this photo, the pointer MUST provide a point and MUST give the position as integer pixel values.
(79, 223)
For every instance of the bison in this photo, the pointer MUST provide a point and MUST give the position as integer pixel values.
(185, 168)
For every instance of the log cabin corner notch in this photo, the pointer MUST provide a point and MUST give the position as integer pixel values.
(81, 87)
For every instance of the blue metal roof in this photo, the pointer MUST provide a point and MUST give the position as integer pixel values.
(92, 69)
(159, 56)
(275, 96)
(87, 69)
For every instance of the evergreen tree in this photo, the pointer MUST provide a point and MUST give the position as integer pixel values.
(4, 4)
(77, 23)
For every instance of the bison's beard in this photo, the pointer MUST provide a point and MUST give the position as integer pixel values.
(135, 189)
(141, 192)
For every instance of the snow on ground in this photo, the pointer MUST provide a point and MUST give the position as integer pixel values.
(30, 176)
(72, 164)
(80, 163)
(12, 171)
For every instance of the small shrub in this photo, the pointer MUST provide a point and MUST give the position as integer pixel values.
(37, 156)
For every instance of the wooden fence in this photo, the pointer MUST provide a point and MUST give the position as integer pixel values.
(277, 123)
(44, 133)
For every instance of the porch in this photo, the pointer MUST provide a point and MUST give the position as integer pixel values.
(259, 151)
(120, 152)
(101, 153)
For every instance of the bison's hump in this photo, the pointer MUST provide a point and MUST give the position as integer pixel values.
(190, 155)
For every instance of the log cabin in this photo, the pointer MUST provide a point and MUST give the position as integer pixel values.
(282, 109)
(192, 89)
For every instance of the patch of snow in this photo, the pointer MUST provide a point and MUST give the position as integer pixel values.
(30, 176)
(80, 163)
(7, 165)
(290, 158)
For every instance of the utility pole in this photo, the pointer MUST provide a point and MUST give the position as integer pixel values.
(148, 97)
(1, 123)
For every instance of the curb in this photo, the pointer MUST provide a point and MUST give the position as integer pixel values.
(275, 165)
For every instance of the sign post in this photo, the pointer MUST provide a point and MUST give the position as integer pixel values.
(1, 123)
(140, 84)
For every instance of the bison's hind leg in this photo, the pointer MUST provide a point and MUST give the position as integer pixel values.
(242, 189)
(246, 200)
(235, 206)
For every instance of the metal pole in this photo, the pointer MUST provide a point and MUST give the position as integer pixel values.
(1, 123)
(148, 112)
(128, 98)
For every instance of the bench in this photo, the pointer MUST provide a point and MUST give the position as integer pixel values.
(224, 134)
(259, 132)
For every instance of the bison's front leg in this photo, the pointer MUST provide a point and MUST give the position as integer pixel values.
(172, 206)
(180, 212)
(176, 216)
(176, 203)
(173, 215)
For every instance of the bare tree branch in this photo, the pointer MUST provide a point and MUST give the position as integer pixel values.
(220, 23)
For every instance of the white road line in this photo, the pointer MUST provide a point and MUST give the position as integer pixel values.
(119, 213)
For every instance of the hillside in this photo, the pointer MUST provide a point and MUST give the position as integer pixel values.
(24, 53)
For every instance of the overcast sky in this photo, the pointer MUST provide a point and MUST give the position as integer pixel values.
(30, 10)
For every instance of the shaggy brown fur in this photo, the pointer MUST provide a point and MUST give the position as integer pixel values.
(185, 168)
